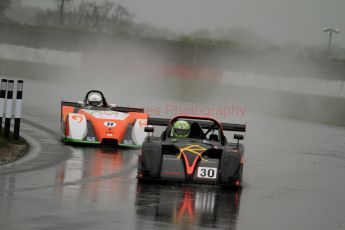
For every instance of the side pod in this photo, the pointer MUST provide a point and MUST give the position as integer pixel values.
(76, 126)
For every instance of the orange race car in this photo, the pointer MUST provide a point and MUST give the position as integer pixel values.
(94, 121)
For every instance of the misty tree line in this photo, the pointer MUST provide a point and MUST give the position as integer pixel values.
(106, 16)
(103, 16)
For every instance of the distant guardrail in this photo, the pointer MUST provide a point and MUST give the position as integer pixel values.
(302, 85)
(42, 56)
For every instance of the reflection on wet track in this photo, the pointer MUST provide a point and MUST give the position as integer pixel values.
(90, 165)
(186, 206)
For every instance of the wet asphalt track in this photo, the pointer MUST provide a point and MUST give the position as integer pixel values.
(294, 179)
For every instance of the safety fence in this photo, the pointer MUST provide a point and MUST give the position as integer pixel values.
(7, 102)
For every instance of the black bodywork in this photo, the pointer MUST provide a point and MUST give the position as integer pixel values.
(204, 157)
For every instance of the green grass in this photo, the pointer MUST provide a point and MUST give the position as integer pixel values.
(4, 143)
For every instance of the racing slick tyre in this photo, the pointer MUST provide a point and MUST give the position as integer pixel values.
(230, 169)
(150, 161)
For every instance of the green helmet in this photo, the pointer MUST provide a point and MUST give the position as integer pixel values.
(181, 129)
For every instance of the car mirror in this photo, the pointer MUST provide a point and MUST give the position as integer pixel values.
(149, 129)
(238, 137)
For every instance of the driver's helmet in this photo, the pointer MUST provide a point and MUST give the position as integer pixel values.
(181, 129)
(95, 99)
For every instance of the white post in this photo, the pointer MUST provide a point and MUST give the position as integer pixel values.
(18, 111)
(3, 89)
(8, 112)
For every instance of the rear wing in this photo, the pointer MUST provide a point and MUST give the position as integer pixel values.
(127, 109)
(68, 103)
(234, 127)
(117, 108)
(203, 124)
(158, 121)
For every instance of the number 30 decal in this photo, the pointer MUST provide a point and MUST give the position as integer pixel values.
(207, 172)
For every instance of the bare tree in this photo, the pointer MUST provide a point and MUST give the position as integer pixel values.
(61, 4)
(4, 5)
(103, 16)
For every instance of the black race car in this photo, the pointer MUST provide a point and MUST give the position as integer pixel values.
(205, 156)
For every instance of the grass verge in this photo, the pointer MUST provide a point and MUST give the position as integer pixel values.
(11, 150)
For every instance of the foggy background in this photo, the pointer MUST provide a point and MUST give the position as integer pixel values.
(266, 56)
(278, 21)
